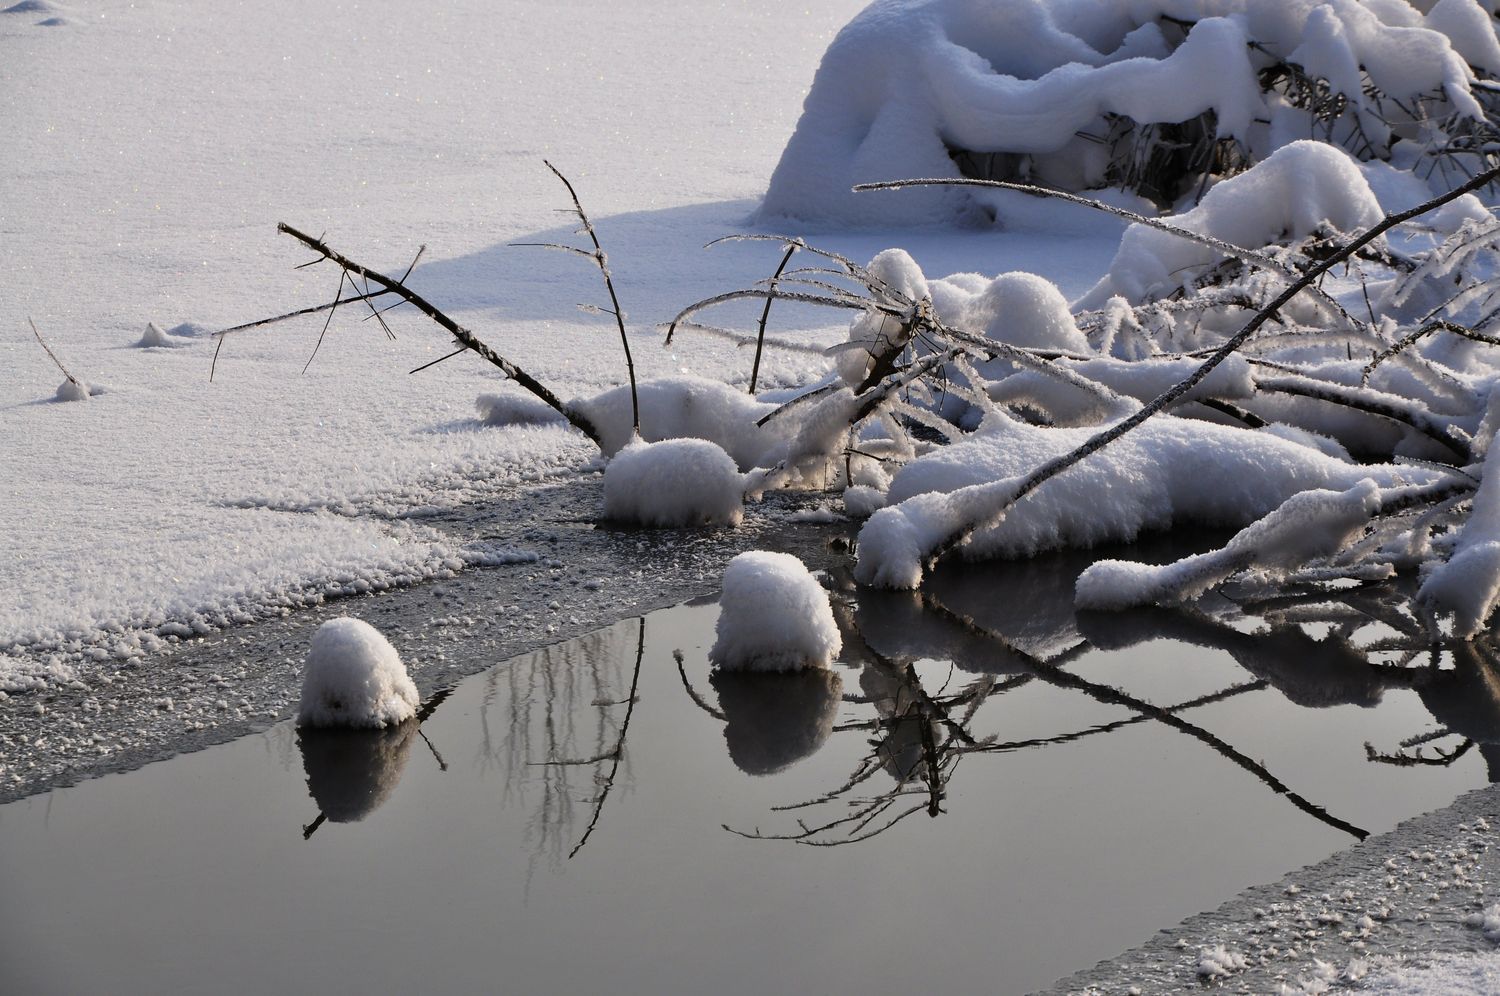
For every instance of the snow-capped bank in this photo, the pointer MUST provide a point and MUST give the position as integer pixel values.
(674, 482)
(774, 616)
(355, 678)
(1079, 94)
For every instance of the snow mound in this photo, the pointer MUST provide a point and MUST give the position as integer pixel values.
(1308, 525)
(1019, 308)
(73, 390)
(674, 482)
(1467, 585)
(1064, 93)
(515, 409)
(1300, 188)
(354, 677)
(1168, 471)
(156, 337)
(774, 616)
(772, 721)
(32, 7)
(677, 407)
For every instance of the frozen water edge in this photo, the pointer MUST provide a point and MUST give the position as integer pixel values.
(1406, 875)
(555, 574)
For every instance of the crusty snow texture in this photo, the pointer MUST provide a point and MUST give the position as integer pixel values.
(774, 616)
(354, 677)
(907, 80)
(674, 482)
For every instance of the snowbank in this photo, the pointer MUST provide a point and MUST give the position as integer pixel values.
(674, 482)
(354, 677)
(774, 616)
(1060, 93)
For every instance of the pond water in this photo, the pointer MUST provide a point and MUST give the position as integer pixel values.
(1007, 794)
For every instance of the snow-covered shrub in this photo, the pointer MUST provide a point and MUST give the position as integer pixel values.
(354, 677)
(774, 616)
(1153, 96)
(674, 482)
(771, 721)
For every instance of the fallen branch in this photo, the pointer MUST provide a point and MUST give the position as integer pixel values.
(466, 338)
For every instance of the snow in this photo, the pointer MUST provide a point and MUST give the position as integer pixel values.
(1153, 478)
(1467, 585)
(73, 390)
(1022, 309)
(674, 482)
(1308, 525)
(1301, 187)
(1439, 975)
(155, 337)
(1036, 85)
(1220, 962)
(355, 678)
(774, 616)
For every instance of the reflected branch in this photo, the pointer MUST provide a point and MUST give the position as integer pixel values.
(608, 781)
(1054, 675)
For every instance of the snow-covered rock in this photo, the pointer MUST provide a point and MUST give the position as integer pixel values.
(774, 616)
(674, 482)
(354, 677)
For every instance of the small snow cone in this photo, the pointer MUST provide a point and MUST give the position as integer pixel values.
(774, 616)
(354, 677)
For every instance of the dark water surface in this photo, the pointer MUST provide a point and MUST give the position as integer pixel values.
(1095, 779)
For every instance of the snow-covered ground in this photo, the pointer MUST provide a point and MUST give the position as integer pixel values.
(153, 146)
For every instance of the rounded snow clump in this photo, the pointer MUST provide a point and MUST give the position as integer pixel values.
(515, 409)
(773, 721)
(674, 482)
(1020, 308)
(774, 616)
(73, 390)
(354, 677)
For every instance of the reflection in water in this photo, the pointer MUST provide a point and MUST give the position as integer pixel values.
(774, 719)
(1318, 646)
(567, 710)
(351, 773)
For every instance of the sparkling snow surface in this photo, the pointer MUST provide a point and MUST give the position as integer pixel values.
(152, 150)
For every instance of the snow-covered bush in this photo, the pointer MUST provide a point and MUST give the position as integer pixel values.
(1157, 97)
(773, 616)
(354, 677)
(674, 482)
